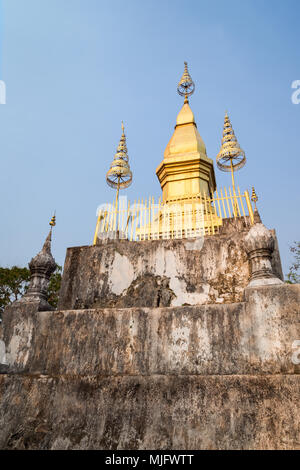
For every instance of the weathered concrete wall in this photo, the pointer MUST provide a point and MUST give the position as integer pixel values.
(252, 337)
(159, 273)
(200, 377)
(157, 412)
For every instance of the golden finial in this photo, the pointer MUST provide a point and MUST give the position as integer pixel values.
(53, 221)
(186, 86)
(231, 157)
(254, 197)
(119, 175)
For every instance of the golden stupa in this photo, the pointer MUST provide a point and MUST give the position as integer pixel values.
(186, 169)
(190, 205)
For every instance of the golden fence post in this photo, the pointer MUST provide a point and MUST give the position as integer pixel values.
(227, 201)
(232, 202)
(250, 210)
(127, 221)
(241, 199)
(159, 217)
(97, 228)
(206, 213)
(140, 217)
(236, 203)
(219, 206)
(132, 220)
(104, 221)
(153, 221)
(107, 218)
(115, 217)
(145, 219)
(149, 221)
(214, 202)
(211, 217)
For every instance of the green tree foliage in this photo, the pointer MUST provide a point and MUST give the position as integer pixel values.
(14, 283)
(293, 277)
(54, 286)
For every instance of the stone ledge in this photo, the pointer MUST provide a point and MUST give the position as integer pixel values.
(254, 337)
(158, 412)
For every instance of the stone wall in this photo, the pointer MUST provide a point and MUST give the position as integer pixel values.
(149, 412)
(162, 273)
(190, 377)
(251, 337)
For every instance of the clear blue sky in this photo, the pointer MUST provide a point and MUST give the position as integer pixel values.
(75, 68)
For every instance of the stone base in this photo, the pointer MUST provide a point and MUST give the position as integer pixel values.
(38, 304)
(157, 412)
(265, 281)
(202, 377)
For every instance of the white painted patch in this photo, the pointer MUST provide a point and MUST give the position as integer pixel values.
(196, 244)
(167, 263)
(19, 346)
(121, 274)
(2, 352)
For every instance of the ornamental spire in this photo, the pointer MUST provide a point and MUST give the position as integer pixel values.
(41, 267)
(186, 86)
(254, 197)
(119, 175)
(52, 222)
(231, 157)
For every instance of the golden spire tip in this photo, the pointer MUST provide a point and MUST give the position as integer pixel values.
(52, 222)
(254, 197)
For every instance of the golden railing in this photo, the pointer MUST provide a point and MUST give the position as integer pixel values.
(183, 217)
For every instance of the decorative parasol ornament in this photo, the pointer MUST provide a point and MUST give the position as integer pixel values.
(186, 86)
(119, 175)
(231, 157)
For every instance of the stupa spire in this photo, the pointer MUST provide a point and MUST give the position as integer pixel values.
(231, 157)
(186, 86)
(186, 169)
(119, 175)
